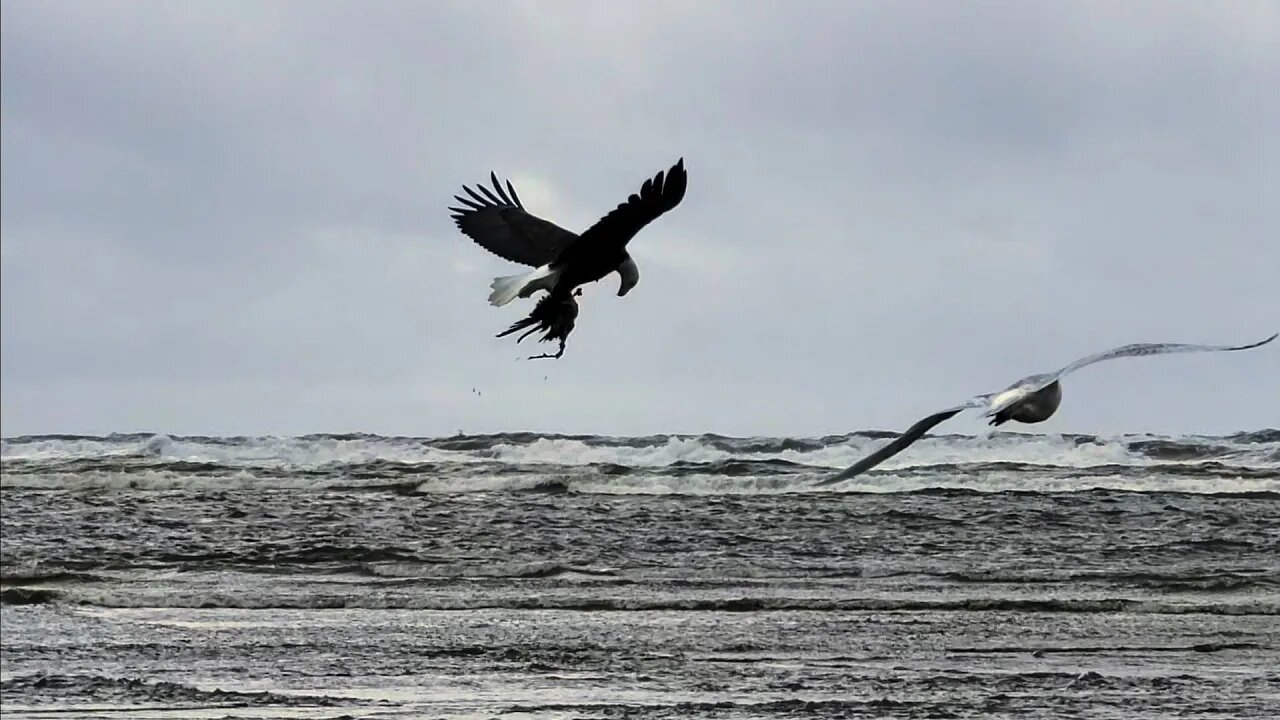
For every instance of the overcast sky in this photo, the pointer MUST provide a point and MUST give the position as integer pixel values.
(231, 217)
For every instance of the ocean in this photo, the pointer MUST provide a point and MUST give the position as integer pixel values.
(550, 576)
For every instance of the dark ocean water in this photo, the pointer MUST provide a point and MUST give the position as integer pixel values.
(526, 576)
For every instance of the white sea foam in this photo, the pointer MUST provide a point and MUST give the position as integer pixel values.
(675, 464)
(557, 451)
(264, 451)
(950, 450)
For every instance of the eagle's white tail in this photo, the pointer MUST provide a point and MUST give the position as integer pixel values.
(510, 287)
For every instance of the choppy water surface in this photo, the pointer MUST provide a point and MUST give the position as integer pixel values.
(520, 576)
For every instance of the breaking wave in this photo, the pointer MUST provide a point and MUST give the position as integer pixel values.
(134, 691)
(1247, 462)
(393, 600)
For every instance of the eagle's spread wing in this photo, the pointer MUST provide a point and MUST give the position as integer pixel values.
(498, 222)
(658, 195)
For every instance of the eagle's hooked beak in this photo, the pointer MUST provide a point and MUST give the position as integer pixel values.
(630, 275)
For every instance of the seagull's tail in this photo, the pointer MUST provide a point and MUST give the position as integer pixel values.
(510, 287)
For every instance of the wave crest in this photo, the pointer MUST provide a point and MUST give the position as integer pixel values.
(1244, 462)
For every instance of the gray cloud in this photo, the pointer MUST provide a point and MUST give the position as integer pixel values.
(230, 217)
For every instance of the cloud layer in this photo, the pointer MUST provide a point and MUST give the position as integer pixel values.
(231, 217)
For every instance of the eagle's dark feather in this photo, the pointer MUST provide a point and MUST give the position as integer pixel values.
(603, 245)
(498, 222)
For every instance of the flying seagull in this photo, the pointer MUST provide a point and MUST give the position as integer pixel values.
(1032, 399)
(562, 260)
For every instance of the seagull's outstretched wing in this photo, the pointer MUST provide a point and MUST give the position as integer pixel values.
(657, 196)
(913, 433)
(498, 222)
(1141, 349)
(1035, 383)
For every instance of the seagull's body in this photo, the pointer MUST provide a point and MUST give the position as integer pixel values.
(1030, 400)
(562, 260)
(1028, 406)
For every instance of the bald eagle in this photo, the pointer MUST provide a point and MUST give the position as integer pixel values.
(562, 260)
